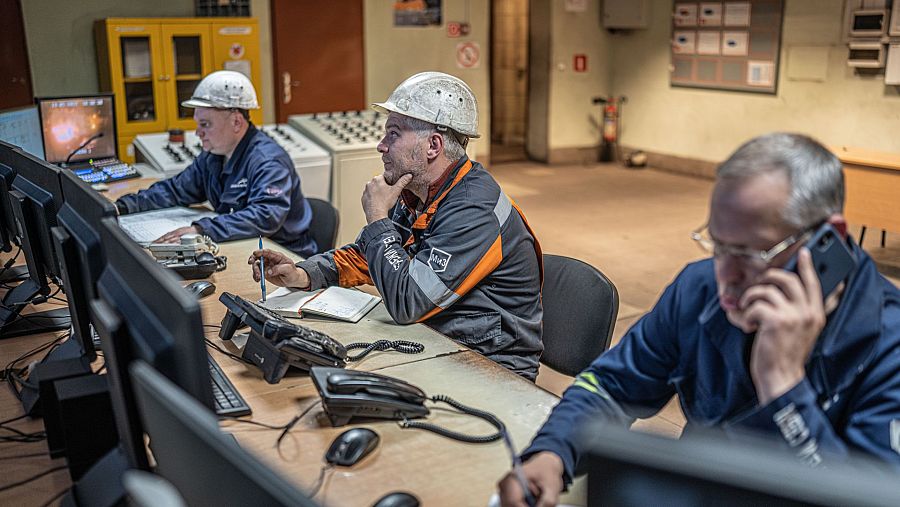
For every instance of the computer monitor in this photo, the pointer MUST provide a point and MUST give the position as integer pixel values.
(630, 468)
(142, 312)
(22, 127)
(35, 199)
(206, 466)
(8, 154)
(78, 129)
(77, 243)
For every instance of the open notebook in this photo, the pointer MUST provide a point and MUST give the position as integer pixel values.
(340, 303)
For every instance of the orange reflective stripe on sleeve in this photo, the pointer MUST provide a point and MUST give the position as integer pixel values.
(353, 269)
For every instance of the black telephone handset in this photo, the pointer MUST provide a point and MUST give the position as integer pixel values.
(831, 258)
(353, 382)
(274, 343)
(347, 394)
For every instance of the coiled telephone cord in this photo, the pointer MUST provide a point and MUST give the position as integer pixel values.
(472, 439)
(406, 347)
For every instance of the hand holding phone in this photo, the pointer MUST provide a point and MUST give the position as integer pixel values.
(831, 258)
(786, 318)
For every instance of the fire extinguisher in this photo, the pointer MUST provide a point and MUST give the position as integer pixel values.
(610, 126)
(610, 121)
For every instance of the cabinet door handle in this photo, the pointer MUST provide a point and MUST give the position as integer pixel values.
(286, 87)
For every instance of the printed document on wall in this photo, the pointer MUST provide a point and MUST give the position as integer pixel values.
(760, 73)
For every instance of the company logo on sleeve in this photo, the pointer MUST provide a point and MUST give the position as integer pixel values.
(241, 183)
(438, 260)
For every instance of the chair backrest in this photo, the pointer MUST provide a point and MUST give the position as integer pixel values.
(580, 308)
(325, 222)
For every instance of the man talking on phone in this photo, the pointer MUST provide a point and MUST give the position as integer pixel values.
(746, 344)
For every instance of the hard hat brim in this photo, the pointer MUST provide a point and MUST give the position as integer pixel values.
(195, 102)
(388, 107)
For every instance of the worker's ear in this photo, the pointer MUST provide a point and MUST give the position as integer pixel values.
(237, 121)
(435, 145)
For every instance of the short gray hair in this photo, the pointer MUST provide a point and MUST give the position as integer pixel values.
(814, 174)
(453, 148)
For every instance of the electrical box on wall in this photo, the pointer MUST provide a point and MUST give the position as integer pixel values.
(892, 68)
(894, 30)
(626, 13)
(866, 54)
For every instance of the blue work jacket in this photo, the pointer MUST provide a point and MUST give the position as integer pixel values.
(257, 192)
(849, 400)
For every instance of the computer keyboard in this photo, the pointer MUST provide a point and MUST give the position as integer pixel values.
(105, 171)
(227, 398)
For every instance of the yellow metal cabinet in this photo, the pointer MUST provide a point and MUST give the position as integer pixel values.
(153, 64)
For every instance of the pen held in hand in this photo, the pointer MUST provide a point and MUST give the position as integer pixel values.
(262, 271)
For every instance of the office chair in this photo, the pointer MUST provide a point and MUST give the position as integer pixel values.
(325, 222)
(580, 309)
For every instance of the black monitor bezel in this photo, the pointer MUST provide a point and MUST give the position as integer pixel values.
(80, 252)
(708, 468)
(183, 432)
(35, 176)
(115, 133)
(137, 298)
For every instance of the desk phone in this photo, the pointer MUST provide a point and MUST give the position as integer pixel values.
(276, 344)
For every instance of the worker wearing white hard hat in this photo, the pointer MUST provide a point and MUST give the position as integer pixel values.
(247, 178)
(444, 245)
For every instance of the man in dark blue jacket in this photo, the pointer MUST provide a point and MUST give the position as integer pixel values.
(248, 179)
(744, 343)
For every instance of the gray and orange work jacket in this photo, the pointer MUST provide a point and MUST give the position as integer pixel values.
(468, 266)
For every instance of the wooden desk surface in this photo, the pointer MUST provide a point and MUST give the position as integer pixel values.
(872, 184)
(439, 470)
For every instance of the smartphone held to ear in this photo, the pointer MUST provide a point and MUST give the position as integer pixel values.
(831, 258)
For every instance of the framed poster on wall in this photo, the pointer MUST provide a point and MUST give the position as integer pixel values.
(730, 45)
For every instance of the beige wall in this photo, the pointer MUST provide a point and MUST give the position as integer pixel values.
(260, 10)
(843, 110)
(573, 119)
(60, 38)
(393, 54)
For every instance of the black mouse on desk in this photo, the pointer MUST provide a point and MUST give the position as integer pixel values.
(201, 288)
(351, 446)
(397, 499)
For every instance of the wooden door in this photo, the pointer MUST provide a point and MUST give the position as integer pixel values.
(15, 80)
(318, 54)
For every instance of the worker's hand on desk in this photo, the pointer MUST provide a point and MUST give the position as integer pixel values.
(380, 196)
(175, 236)
(544, 472)
(280, 269)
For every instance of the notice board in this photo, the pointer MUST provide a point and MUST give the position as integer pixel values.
(726, 45)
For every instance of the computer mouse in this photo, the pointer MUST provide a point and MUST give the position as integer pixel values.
(351, 446)
(397, 499)
(201, 288)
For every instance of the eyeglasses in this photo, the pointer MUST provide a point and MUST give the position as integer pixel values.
(759, 259)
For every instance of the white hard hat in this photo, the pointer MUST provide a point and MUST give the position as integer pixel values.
(224, 89)
(437, 98)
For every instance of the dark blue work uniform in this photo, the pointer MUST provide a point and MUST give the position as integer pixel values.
(849, 400)
(257, 192)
